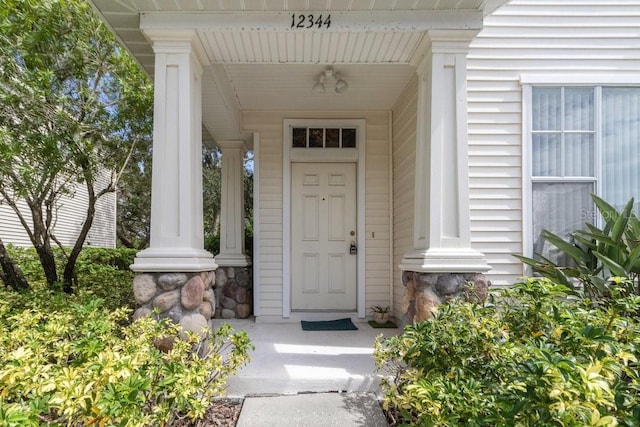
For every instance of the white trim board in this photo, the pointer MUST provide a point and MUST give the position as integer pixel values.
(568, 79)
(256, 225)
(288, 154)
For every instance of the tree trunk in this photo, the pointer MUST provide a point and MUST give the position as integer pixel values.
(39, 232)
(11, 273)
(124, 241)
(41, 241)
(48, 261)
(70, 267)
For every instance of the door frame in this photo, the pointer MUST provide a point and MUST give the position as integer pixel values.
(342, 155)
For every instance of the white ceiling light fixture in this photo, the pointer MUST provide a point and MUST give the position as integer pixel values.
(329, 74)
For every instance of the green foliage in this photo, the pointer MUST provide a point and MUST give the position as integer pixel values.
(100, 272)
(535, 356)
(212, 243)
(211, 187)
(211, 193)
(380, 309)
(120, 258)
(68, 360)
(597, 254)
(74, 110)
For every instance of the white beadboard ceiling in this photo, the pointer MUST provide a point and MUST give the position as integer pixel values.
(258, 63)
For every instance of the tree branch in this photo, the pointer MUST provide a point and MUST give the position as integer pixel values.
(13, 205)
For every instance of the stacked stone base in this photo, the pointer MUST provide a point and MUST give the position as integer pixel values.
(234, 292)
(187, 299)
(426, 291)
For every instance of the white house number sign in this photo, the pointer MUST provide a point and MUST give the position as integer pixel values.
(310, 21)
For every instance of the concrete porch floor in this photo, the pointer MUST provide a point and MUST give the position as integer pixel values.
(288, 360)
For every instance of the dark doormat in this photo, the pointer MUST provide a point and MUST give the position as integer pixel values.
(389, 324)
(329, 325)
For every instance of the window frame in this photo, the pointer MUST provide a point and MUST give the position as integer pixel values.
(597, 83)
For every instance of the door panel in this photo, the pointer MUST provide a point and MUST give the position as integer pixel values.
(323, 217)
(309, 218)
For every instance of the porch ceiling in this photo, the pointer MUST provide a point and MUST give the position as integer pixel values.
(258, 63)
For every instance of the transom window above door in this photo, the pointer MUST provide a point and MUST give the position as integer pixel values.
(323, 137)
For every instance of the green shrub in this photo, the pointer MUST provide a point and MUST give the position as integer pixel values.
(101, 273)
(27, 260)
(596, 254)
(65, 360)
(105, 274)
(212, 243)
(120, 258)
(533, 357)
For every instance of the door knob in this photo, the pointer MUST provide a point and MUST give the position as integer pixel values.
(353, 249)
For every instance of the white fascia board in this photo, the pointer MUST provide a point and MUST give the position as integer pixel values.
(340, 20)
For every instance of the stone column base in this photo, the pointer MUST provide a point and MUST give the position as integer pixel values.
(186, 298)
(426, 291)
(234, 292)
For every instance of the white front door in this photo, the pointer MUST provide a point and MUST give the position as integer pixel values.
(323, 228)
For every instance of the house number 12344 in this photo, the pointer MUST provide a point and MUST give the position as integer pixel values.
(310, 21)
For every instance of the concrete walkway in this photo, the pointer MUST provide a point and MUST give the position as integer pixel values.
(309, 378)
(313, 410)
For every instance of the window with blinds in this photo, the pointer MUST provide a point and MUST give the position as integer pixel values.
(583, 140)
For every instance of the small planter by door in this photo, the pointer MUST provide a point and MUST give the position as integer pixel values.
(380, 318)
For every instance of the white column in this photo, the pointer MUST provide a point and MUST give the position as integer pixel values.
(177, 240)
(442, 241)
(232, 206)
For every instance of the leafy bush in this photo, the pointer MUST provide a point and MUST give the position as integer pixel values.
(212, 243)
(533, 357)
(120, 258)
(101, 273)
(596, 253)
(105, 274)
(66, 360)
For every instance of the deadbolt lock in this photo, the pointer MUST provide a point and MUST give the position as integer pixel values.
(353, 249)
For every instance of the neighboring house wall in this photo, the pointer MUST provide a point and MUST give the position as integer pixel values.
(270, 214)
(70, 216)
(562, 37)
(404, 163)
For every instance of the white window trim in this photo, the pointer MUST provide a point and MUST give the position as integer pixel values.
(527, 157)
(330, 155)
(256, 225)
(527, 168)
(574, 79)
(528, 81)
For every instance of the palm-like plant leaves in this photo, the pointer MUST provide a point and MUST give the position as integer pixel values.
(615, 268)
(576, 253)
(620, 225)
(547, 269)
(612, 250)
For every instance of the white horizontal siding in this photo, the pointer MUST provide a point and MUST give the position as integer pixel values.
(377, 223)
(69, 217)
(530, 36)
(404, 163)
(11, 230)
(269, 215)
